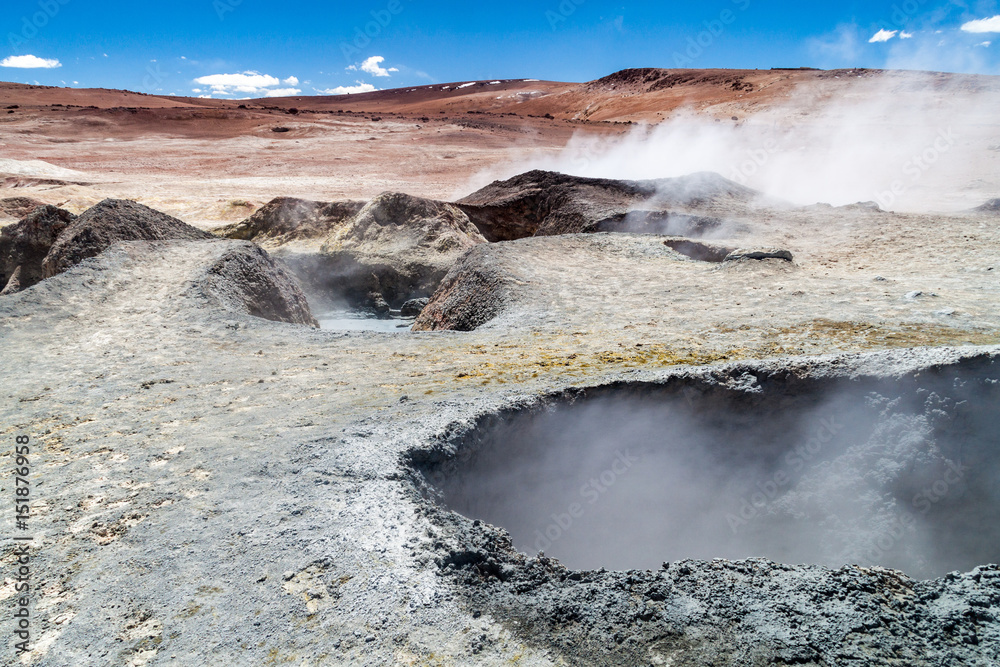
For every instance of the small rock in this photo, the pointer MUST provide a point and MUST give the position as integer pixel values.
(413, 307)
(287, 576)
(378, 305)
(759, 254)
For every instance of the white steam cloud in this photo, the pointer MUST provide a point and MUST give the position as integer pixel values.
(906, 141)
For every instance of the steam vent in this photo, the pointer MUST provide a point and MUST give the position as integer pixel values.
(672, 368)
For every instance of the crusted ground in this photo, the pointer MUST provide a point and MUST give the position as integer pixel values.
(215, 487)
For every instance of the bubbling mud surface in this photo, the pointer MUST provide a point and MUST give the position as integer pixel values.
(899, 474)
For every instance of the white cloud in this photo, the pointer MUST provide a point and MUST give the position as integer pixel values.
(374, 67)
(196, 90)
(905, 35)
(29, 62)
(883, 36)
(983, 25)
(349, 90)
(282, 92)
(985, 44)
(291, 81)
(250, 83)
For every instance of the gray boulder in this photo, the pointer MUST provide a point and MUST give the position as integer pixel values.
(413, 307)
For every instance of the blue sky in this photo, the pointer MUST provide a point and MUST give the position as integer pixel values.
(250, 48)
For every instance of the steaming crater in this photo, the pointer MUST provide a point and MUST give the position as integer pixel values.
(901, 474)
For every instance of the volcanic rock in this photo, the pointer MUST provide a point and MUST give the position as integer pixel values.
(474, 292)
(23, 247)
(413, 307)
(544, 203)
(109, 222)
(759, 254)
(397, 246)
(286, 219)
(246, 279)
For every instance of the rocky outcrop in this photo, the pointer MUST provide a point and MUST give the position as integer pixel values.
(286, 219)
(246, 279)
(109, 222)
(24, 246)
(544, 203)
(398, 247)
(474, 292)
